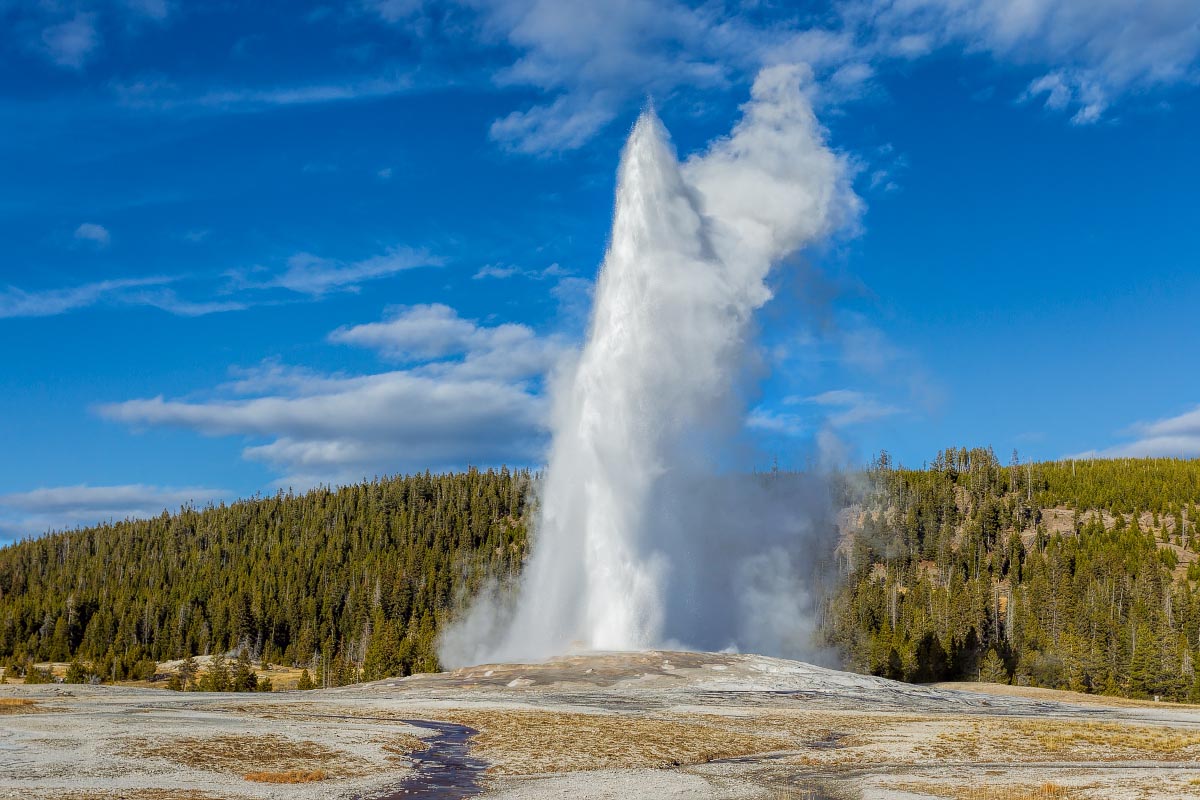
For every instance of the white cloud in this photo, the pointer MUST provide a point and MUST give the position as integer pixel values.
(460, 347)
(305, 274)
(59, 507)
(848, 407)
(502, 271)
(153, 292)
(396, 10)
(1170, 437)
(315, 275)
(776, 422)
(1095, 51)
(156, 94)
(91, 232)
(16, 302)
(71, 42)
(157, 10)
(593, 61)
(169, 300)
(841, 408)
(471, 394)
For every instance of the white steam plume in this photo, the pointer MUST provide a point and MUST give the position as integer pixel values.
(640, 542)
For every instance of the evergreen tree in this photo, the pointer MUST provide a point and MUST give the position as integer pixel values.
(992, 669)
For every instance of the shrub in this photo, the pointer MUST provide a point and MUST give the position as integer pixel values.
(38, 675)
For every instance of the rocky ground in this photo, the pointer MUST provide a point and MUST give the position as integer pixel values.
(656, 725)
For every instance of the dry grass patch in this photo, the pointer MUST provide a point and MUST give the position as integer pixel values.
(290, 776)
(1060, 740)
(1114, 739)
(532, 742)
(19, 705)
(244, 754)
(1046, 791)
(133, 794)
(402, 745)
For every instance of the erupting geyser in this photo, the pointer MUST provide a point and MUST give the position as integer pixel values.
(641, 542)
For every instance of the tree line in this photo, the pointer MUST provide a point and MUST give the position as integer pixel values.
(352, 582)
(1072, 574)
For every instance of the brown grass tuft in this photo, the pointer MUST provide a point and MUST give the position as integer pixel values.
(18, 705)
(531, 742)
(1047, 791)
(290, 776)
(131, 794)
(244, 754)
(402, 745)
(1061, 740)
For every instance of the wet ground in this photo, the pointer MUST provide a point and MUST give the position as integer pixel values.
(446, 770)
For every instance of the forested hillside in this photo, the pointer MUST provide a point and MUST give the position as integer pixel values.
(1079, 575)
(1076, 574)
(355, 580)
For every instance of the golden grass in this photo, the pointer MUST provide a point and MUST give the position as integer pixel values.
(402, 745)
(18, 705)
(532, 742)
(131, 794)
(290, 776)
(1061, 740)
(245, 754)
(1046, 791)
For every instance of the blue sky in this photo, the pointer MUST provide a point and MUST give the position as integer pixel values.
(253, 246)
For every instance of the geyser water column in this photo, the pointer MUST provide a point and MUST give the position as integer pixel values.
(653, 367)
(630, 550)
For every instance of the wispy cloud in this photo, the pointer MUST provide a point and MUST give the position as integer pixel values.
(153, 93)
(91, 232)
(835, 409)
(847, 407)
(169, 300)
(469, 394)
(1095, 53)
(312, 277)
(316, 275)
(70, 43)
(444, 343)
(777, 422)
(502, 271)
(59, 507)
(157, 10)
(69, 34)
(15, 302)
(1177, 436)
(593, 61)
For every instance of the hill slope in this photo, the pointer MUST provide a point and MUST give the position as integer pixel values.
(1077, 576)
(1073, 575)
(357, 578)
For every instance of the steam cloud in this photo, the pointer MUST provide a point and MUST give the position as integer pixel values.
(641, 541)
